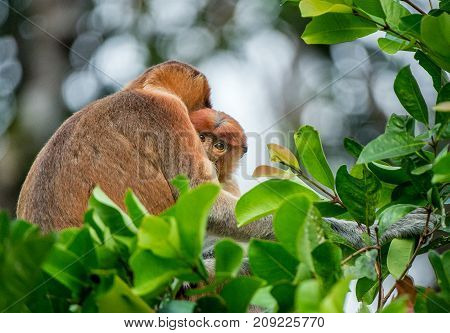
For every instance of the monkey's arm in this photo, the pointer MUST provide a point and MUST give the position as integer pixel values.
(410, 226)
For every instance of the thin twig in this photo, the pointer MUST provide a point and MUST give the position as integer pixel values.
(361, 250)
(332, 196)
(379, 271)
(413, 5)
(421, 241)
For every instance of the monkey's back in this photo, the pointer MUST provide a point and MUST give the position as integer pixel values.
(121, 141)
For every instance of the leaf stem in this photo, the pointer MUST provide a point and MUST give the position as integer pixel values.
(379, 271)
(413, 5)
(333, 196)
(361, 250)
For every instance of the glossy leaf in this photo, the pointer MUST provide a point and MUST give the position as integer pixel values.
(410, 96)
(119, 298)
(160, 236)
(152, 272)
(327, 263)
(135, 208)
(441, 169)
(271, 262)
(360, 196)
(392, 214)
(228, 255)
(283, 155)
(400, 252)
(191, 223)
(297, 227)
(334, 301)
(265, 198)
(308, 297)
(310, 8)
(310, 152)
(364, 266)
(332, 28)
(434, 31)
(243, 286)
(390, 145)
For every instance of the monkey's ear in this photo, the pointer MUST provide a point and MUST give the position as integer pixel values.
(180, 79)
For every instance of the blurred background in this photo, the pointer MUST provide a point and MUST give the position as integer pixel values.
(56, 56)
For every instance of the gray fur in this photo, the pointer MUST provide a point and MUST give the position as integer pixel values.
(411, 225)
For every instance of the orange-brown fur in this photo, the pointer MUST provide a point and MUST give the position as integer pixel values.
(139, 138)
(216, 127)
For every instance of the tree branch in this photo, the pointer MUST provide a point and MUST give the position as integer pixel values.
(413, 5)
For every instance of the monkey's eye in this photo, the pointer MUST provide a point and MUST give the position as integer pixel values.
(220, 145)
(202, 137)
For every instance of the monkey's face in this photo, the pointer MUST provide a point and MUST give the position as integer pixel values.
(222, 138)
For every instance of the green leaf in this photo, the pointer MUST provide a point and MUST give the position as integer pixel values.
(283, 155)
(310, 151)
(22, 251)
(135, 208)
(388, 174)
(308, 297)
(271, 262)
(390, 145)
(392, 214)
(364, 266)
(284, 293)
(329, 209)
(434, 70)
(371, 7)
(160, 236)
(266, 197)
(297, 226)
(111, 214)
(265, 300)
(366, 290)
(243, 286)
(119, 298)
(398, 305)
(327, 263)
(353, 147)
(332, 28)
(176, 306)
(391, 44)
(211, 304)
(400, 124)
(410, 96)
(435, 34)
(360, 196)
(228, 256)
(441, 169)
(394, 12)
(334, 301)
(310, 8)
(410, 25)
(82, 246)
(152, 272)
(441, 266)
(65, 267)
(181, 182)
(400, 252)
(191, 223)
(443, 118)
